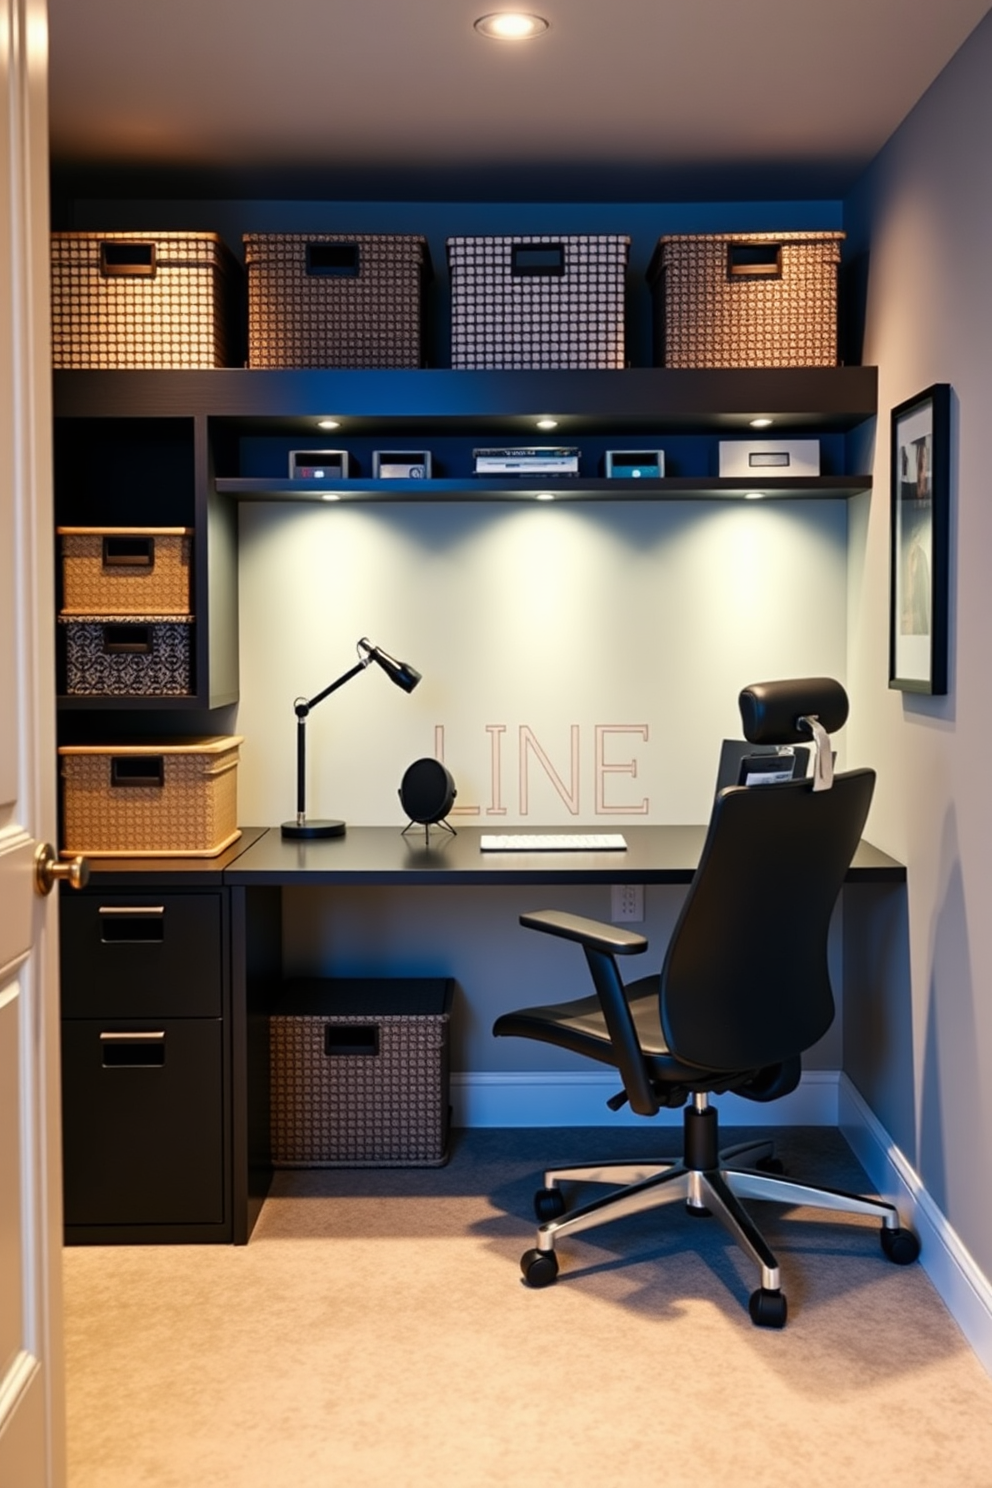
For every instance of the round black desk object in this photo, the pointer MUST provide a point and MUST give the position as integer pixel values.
(427, 791)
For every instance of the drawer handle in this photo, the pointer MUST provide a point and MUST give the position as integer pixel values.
(129, 552)
(132, 640)
(133, 924)
(127, 260)
(337, 260)
(537, 261)
(754, 260)
(137, 770)
(130, 1050)
(350, 1038)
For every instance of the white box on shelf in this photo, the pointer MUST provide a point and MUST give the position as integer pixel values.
(769, 457)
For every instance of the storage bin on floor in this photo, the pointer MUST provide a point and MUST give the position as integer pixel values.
(360, 1072)
(178, 799)
(745, 299)
(144, 300)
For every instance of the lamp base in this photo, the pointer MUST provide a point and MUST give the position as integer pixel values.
(313, 827)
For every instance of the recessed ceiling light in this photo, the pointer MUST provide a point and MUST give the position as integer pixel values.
(328, 424)
(511, 25)
(547, 423)
(761, 423)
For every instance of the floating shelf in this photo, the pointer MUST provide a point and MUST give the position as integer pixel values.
(572, 488)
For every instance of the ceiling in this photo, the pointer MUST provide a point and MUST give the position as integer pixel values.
(650, 98)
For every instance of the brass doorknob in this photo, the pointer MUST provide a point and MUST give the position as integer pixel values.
(49, 870)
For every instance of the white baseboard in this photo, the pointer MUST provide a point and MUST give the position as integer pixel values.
(963, 1288)
(543, 1099)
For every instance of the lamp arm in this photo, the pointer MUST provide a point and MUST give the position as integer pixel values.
(303, 708)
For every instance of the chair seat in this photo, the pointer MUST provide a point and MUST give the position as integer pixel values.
(580, 1025)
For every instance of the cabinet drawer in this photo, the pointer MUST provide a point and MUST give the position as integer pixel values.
(141, 955)
(143, 1121)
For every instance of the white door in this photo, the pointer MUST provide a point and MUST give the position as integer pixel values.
(32, 1450)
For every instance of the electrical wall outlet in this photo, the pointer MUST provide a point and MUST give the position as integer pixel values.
(627, 902)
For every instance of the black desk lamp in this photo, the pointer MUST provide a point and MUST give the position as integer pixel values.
(400, 672)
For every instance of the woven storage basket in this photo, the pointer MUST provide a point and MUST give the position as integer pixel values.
(336, 300)
(150, 800)
(746, 299)
(126, 570)
(162, 300)
(359, 1073)
(538, 301)
(128, 656)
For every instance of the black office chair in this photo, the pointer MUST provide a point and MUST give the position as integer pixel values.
(743, 991)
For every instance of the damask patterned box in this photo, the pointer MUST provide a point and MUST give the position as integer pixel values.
(745, 299)
(536, 301)
(144, 300)
(126, 570)
(336, 300)
(128, 656)
(150, 800)
(359, 1073)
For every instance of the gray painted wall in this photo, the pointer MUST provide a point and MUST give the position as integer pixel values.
(918, 1022)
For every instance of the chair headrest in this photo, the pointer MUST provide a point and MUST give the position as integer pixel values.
(770, 711)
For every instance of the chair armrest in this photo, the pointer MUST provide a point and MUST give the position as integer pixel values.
(593, 933)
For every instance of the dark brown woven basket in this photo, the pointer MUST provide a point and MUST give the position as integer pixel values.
(365, 1087)
(336, 300)
(536, 301)
(746, 299)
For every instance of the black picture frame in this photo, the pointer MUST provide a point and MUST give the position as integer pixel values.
(918, 581)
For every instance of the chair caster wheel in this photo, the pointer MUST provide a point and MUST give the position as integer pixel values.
(768, 1309)
(770, 1165)
(539, 1267)
(698, 1211)
(549, 1203)
(901, 1246)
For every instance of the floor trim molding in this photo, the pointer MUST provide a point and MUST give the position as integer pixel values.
(963, 1288)
(540, 1098)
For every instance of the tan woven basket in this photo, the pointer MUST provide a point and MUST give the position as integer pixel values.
(159, 300)
(126, 570)
(746, 299)
(384, 1107)
(336, 300)
(150, 800)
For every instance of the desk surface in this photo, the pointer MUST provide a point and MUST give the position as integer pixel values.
(383, 855)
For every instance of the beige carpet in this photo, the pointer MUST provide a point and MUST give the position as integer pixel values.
(376, 1331)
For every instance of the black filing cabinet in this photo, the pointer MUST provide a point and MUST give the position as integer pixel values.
(145, 1062)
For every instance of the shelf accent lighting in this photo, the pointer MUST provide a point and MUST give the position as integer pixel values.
(511, 25)
(328, 423)
(762, 423)
(400, 672)
(547, 423)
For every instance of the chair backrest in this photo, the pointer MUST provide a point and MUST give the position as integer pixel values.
(745, 982)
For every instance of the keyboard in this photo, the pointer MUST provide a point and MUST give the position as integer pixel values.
(553, 842)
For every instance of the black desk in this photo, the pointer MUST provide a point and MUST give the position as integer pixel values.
(383, 856)
(246, 885)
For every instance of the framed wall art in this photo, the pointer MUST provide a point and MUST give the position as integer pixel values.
(918, 598)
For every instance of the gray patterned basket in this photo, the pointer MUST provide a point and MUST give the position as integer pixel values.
(144, 300)
(125, 570)
(535, 301)
(359, 1073)
(336, 300)
(745, 299)
(150, 800)
(128, 656)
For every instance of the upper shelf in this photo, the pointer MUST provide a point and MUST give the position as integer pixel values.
(636, 400)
